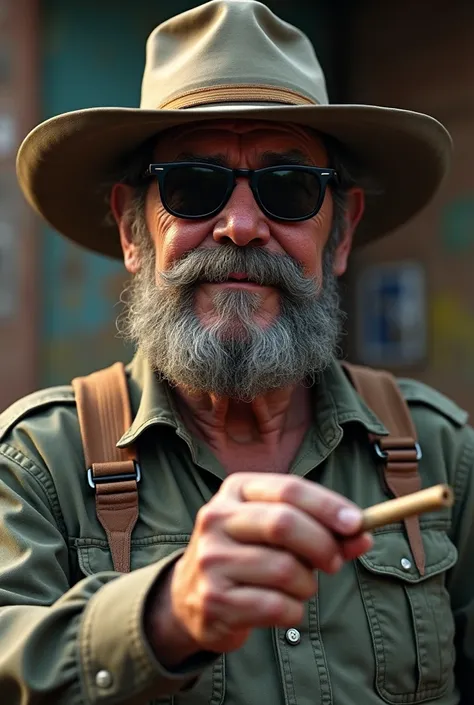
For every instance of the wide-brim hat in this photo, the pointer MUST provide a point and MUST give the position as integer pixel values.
(233, 59)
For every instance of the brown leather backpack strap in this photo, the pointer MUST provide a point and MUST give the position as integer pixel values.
(104, 412)
(399, 451)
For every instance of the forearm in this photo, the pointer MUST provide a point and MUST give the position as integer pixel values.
(53, 655)
(55, 639)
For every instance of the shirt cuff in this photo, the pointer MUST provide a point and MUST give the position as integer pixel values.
(118, 663)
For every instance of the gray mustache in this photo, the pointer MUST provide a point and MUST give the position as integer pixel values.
(262, 267)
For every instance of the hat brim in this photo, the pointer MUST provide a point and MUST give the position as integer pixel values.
(64, 161)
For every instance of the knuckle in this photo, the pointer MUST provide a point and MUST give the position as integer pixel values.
(275, 607)
(209, 598)
(284, 569)
(290, 490)
(206, 557)
(282, 610)
(280, 524)
(234, 481)
(208, 516)
(328, 549)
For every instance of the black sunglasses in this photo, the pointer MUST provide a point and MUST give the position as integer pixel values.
(199, 190)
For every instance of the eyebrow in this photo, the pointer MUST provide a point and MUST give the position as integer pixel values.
(293, 157)
(218, 159)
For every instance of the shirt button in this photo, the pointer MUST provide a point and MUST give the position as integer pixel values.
(293, 636)
(103, 679)
(405, 563)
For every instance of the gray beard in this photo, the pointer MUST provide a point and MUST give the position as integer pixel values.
(235, 356)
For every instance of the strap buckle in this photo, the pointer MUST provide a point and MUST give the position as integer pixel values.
(124, 477)
(383, 454)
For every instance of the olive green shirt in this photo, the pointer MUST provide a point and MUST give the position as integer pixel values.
(72, 629)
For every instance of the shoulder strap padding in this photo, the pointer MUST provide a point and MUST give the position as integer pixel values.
(381, 393)
(104, 413)
(399, 450)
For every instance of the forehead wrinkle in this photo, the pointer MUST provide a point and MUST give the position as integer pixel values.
(241, 127)
(268, 158)
(298, 145)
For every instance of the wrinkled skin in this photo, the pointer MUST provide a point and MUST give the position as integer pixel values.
(252, 556)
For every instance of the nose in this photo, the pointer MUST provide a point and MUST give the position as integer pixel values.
(241, 221)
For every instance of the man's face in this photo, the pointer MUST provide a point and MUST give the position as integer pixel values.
(241, 221)
(238, 284)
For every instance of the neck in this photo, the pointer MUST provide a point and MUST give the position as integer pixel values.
(221, 421)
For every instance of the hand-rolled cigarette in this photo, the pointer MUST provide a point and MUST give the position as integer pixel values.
(398, 509)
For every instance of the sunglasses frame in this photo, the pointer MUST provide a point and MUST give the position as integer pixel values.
(160, 170)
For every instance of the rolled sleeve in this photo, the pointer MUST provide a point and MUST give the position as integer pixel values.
(118, 663)
(83, 644)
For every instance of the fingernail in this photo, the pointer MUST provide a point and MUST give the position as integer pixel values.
(349, 518)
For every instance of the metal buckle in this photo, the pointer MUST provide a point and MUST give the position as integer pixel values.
(93, 481)
(383, 454)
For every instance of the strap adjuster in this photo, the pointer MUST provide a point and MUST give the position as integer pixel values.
(124, 477)
(383, 454)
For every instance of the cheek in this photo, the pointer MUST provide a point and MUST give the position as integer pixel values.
(172, 236)
(305, 241)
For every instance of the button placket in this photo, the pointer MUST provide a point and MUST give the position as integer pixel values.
(293, 636)
(296, 653)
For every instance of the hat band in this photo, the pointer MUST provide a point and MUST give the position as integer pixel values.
(236, 93)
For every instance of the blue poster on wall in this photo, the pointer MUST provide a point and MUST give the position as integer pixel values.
(391, 317)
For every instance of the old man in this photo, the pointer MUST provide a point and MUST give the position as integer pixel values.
(218, 558)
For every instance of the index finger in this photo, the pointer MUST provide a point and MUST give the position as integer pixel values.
(329, 508)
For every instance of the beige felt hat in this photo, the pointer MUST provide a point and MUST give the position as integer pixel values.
(227, 58)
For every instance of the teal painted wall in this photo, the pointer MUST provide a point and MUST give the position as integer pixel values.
(93, 55)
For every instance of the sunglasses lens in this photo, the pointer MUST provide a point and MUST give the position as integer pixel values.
(194, 191)
(290, 194)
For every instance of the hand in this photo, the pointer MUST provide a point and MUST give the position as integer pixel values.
(252, 556)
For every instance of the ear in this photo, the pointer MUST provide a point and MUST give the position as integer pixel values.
(121, 199)
(355, 206)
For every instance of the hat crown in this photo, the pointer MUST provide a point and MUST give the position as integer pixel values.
(230, 51)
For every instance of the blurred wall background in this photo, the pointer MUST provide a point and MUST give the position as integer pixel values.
(410, 297)
(420, 56)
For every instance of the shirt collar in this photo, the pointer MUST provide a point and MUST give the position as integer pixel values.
(336, 401)
(151, 401)
(336, 390)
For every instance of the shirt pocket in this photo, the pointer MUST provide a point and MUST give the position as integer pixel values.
(409, 616)
(94, 557)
